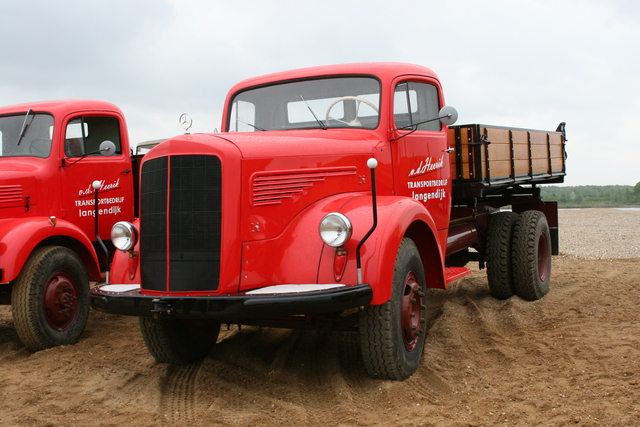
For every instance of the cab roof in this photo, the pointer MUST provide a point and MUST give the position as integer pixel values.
(385, 71)
(61, 107)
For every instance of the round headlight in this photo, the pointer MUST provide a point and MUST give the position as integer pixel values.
(335, 229)
(123, 235)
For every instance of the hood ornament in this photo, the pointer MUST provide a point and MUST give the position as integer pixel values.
(186, 121)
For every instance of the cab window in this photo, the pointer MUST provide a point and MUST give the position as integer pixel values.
(415, 106)
(26, 135)
(85, 134)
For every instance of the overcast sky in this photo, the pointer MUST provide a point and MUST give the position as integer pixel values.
(511, 63)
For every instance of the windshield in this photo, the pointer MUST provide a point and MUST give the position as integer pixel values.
(28, 134)
(335, 102)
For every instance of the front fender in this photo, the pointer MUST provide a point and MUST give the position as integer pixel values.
(293, 256)
(19, 237)
(125, 266)
(398, 217)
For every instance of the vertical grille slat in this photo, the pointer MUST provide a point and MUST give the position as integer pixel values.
(181, 220)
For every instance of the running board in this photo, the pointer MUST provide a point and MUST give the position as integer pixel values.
(452, 274)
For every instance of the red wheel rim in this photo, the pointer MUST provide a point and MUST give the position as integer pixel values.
(543, 257)
(412, 303)
(60, 300)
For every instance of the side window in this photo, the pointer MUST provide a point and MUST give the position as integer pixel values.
(85, 134)
(415, 106)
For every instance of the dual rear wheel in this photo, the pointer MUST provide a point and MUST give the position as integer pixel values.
(518, 254)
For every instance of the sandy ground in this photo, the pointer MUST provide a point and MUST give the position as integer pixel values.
(572, 358)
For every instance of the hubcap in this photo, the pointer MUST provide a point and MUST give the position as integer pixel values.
(412, 306)
(543, 257)
(60, 300)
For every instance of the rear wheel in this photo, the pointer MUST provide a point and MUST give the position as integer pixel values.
(498, 254)
(50, 298)
(392, 335)
(531, 255)
(179, 341)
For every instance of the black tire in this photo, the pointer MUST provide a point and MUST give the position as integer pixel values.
(498, 249)
(392, 335)
(50, 298)
(531, 255)
(179, 341)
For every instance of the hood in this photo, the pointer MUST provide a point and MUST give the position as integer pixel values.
(274, 144)
(17, 181)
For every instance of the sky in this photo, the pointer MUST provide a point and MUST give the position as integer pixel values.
(526, 63)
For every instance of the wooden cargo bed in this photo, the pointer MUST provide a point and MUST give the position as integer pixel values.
(488, 159)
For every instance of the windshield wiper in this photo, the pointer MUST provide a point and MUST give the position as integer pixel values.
(253, 126)
(24, 127)
(322, 125)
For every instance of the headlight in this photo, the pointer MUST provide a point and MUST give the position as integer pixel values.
(123, 235)
(335, 229)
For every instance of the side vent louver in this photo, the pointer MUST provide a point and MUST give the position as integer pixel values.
(270, 188)
(10, 195)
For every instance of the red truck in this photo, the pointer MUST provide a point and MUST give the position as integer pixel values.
(333, 198)
(53, 158)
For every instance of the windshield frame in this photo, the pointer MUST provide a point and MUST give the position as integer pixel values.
(306, 100)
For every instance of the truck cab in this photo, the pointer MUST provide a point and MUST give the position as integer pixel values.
(53, 160)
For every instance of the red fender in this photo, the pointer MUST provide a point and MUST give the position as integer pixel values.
(398, 217)
(19, 237)
(125, 266)
(297, 249)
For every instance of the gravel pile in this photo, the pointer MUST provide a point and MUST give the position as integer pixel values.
(600, 233)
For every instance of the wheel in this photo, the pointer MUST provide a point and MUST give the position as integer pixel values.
(392, 335)
(355, 121)
(50, 298)
(531, 256)
(498, 254)
(179, 341)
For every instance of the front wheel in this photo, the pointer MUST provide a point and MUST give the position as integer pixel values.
(531, 255)
(179, 341)
(50, 298)
(392, 335)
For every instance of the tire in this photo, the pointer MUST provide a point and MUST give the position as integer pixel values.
(179, 341)
(50, 298)
(498, 250)
(392, 335)
(531, 255)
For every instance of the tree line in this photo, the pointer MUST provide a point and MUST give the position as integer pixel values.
(589, 196)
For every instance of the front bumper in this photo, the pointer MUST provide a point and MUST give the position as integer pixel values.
(232, 307)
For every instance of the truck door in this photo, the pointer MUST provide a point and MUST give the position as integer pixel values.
(83, 164)
(420, 147)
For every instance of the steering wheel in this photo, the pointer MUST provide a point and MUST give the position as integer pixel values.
(354, 122)
(40, 147)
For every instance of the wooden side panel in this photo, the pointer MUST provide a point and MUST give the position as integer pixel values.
(521, 153)
(499, 149)
(453, 157)
(556, 148)
(491, 157)
(462, 151)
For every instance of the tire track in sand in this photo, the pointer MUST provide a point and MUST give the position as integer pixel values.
(178, 393)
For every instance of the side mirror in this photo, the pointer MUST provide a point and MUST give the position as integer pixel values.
(107, 148)
(448, 115)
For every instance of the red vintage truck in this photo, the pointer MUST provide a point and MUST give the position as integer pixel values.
(333, 198)
(53, 157)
